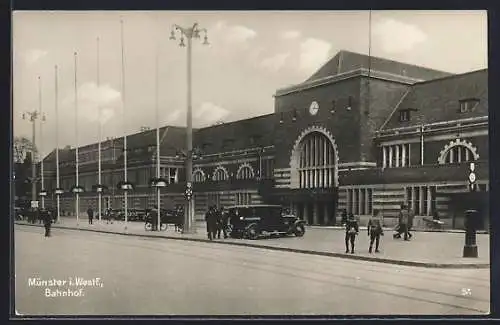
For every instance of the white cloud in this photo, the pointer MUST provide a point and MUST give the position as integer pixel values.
(275, 62)
(291, 34)
(233, 33)
(313, 54)
(208, 113)
(32, 56)
(396, 36)
(91, 99)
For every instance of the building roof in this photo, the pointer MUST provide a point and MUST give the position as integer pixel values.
(253, 132)
(438, 100)
(345, 61)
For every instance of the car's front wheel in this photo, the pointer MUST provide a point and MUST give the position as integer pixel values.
(148, 226)
(251, 232)
(299, 230)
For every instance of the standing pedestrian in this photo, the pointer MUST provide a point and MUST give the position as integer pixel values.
(221, 222)
(403, 222)
(90, 213)
(153, 215)
(375, 230)
(47, 221)
(411, 217)
(351, 230)
(211, 220)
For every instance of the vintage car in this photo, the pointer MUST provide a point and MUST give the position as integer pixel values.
(254, 221)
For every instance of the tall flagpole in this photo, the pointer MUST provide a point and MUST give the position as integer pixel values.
(99, 204)
(124, 124)
(41, 138)
(77, 195)
(57, 149)
(158, 193)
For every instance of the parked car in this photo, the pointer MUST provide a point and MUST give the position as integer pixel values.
(253, 221)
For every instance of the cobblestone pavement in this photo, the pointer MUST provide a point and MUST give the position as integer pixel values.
(153, 276)
(430, 248)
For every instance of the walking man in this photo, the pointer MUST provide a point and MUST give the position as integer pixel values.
(90, 213)
(375, 230)
(351, 230)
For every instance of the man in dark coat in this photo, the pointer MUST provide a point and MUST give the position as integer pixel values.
(351, 230)
(90, 213)
(153, 215)
(47, 221)
(211, 219)
(375, 230)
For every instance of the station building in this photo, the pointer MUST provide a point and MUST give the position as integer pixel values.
(362, 133)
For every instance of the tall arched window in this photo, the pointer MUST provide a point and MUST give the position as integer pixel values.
(458, 151)
(316, 161)
(198, 176)
(220, 174)
(459, 154)
(245, 172)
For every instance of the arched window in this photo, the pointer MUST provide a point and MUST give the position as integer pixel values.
(198, 176)
(245, 172)
(220, 174)
(316, 161)
(458, 151)
(459, 154)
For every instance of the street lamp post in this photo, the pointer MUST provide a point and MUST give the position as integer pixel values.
(59, 191)
(189, 33)
(33, 116)
(42, 193)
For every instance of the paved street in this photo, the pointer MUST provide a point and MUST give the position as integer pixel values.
(143, 276)
(426, 247)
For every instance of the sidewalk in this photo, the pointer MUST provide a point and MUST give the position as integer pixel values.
(426, 249)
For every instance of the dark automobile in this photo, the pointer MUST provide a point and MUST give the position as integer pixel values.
(167, 216)
(252, 221)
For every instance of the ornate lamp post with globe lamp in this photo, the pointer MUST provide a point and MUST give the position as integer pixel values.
(189, 33)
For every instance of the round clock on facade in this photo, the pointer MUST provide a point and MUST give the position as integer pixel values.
(314, 108)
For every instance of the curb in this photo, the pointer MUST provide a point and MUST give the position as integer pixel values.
(449, 231)
(292, 250)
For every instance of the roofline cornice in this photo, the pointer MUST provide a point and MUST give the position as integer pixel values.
(459, 122)
(362, 72)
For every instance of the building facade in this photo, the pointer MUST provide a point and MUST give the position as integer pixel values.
(361, 134)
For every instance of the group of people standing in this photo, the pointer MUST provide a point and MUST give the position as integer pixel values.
(217, 222)
(375, 228)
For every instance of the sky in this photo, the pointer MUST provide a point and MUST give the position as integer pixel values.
(250, 56)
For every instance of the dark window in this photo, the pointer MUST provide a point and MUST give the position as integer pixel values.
(350, 102)
(404, 115)
(468, 105)
(333, 108)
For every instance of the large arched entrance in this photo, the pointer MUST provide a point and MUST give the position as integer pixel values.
(314, 173)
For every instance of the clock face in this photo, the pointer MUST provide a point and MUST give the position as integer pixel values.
(472, 177)
(314, 108)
